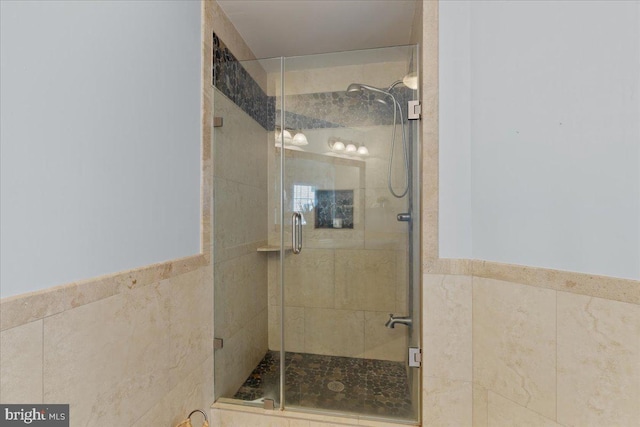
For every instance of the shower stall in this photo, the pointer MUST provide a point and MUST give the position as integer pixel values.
(316, 232)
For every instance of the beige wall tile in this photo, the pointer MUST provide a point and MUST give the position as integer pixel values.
(239, 214)
(505, 413)
(231, 415)
(240, 292)
(21, 364)
(365, 280)
(240, 419)
(446, 403)
(480, 406)
(612, 288)
(110, 359)
(273, 264)
(378, 141)
(447, 317)
(240, 355)
(382, 230)
(309, 278)
(190, 308)
(514, 343)
(193, 391)
(598, 361)
(334, 332)
(293, 328)
(374, 239)
(329, 238)
(21, 309)
(381, 342)
(240, 146)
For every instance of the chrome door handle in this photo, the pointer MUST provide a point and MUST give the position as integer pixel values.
(296, 232)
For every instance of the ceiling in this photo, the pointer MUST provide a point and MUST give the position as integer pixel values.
(274, 28)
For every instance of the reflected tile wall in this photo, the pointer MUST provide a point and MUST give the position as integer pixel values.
(381, 342)
(365, 280)
(309, 278)
(361, 286)
(334, 332)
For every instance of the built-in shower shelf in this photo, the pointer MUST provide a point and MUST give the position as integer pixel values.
(272, 248)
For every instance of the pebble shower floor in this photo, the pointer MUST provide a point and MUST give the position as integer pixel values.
(365, 386)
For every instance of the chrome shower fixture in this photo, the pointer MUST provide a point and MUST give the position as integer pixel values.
(354, 90)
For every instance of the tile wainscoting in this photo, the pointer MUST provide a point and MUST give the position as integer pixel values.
(128, 349)
(505, 353)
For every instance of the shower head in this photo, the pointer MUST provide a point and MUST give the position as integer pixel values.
(356, 89)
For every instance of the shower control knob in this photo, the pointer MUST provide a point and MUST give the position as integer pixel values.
(404, 217)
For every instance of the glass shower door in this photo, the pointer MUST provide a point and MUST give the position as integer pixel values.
(349, 265)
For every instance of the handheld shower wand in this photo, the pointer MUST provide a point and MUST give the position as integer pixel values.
(356, 89)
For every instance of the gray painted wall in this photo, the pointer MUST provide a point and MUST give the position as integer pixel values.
(100, 138)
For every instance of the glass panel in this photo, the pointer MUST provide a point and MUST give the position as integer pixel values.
(354, 266)
(247, 367)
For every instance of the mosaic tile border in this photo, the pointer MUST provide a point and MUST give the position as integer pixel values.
(232, 79)
(336, 108)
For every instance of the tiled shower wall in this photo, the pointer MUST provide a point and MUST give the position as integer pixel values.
(340, 290)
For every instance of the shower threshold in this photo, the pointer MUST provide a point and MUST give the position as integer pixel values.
(369, 387)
